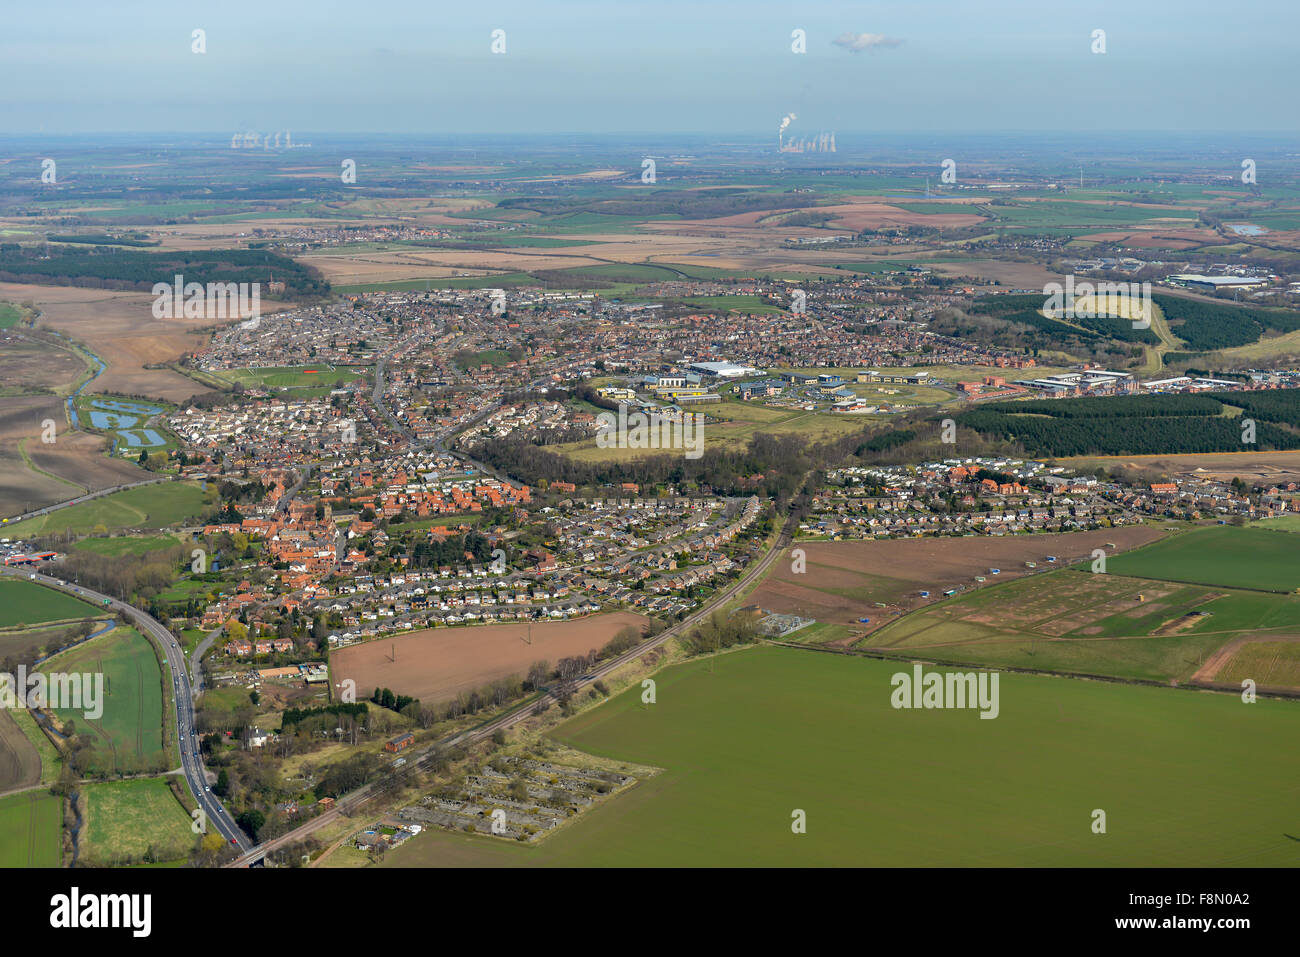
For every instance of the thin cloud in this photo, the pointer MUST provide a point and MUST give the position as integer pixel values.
(857, 42)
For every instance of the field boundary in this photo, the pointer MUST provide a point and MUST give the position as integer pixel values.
(1044, 672)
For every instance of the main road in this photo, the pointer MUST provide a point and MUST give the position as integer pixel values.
(355, 799)
(182, 698)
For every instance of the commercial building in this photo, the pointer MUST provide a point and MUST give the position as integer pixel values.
(724, 370)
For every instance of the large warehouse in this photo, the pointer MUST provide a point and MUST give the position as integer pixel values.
(724, 370)
(1211, 283)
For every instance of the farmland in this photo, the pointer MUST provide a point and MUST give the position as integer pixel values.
(129, 820)
(128, 735)
(20, 763)
(845, 581)
(25, 602)
(31, 826)
(1248, 557)
(149, 506)
(34, 473)
(1212, 606)
(1076, 622)
(748, 737)
(1265, 467)
(120, 329)
(28, 361)
(438, 664)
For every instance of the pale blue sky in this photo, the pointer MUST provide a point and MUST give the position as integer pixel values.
(424, 66)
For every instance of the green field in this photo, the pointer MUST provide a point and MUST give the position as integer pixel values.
(1255, 558)
(738, 423)
(1072, 214)
(9, 315)
(739, 303)
(51, 761)
(25, 602)
(146, 507)
(31, 827)
(491, 357)
(293, 377)
(128, 735)
(190, 639)
(127, 821)
(187, 588)
(500, 280)
(1283, 523)
(1185, 779)
(1073, 621)
(617, 273)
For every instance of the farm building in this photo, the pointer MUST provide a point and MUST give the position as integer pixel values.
(400, 743)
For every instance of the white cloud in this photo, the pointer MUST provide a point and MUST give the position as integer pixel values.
(857, 42)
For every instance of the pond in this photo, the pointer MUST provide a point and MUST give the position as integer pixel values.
(123, 417)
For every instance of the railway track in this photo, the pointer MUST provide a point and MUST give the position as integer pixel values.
(429, 753)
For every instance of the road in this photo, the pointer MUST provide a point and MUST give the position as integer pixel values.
(438, 444)
(353, 800)
(83, 498)
(304, 473)
(182, 698)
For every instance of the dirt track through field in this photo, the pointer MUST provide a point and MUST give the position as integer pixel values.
(844, 580)
(1216, 662)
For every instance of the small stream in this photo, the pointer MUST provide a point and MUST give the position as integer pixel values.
(75, 831)
(107, 626)
(99, 370)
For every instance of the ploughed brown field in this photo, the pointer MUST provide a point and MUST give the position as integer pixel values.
(28, 359)
(20, 764)
(1019, 275)
(74, 464)
(120, 328)
(1158, 238)
(1266, 467)
(436, 664)
(845, 581)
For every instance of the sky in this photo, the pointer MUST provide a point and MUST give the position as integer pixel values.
(610, 66)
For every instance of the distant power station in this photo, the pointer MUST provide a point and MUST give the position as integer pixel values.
(822, 143)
